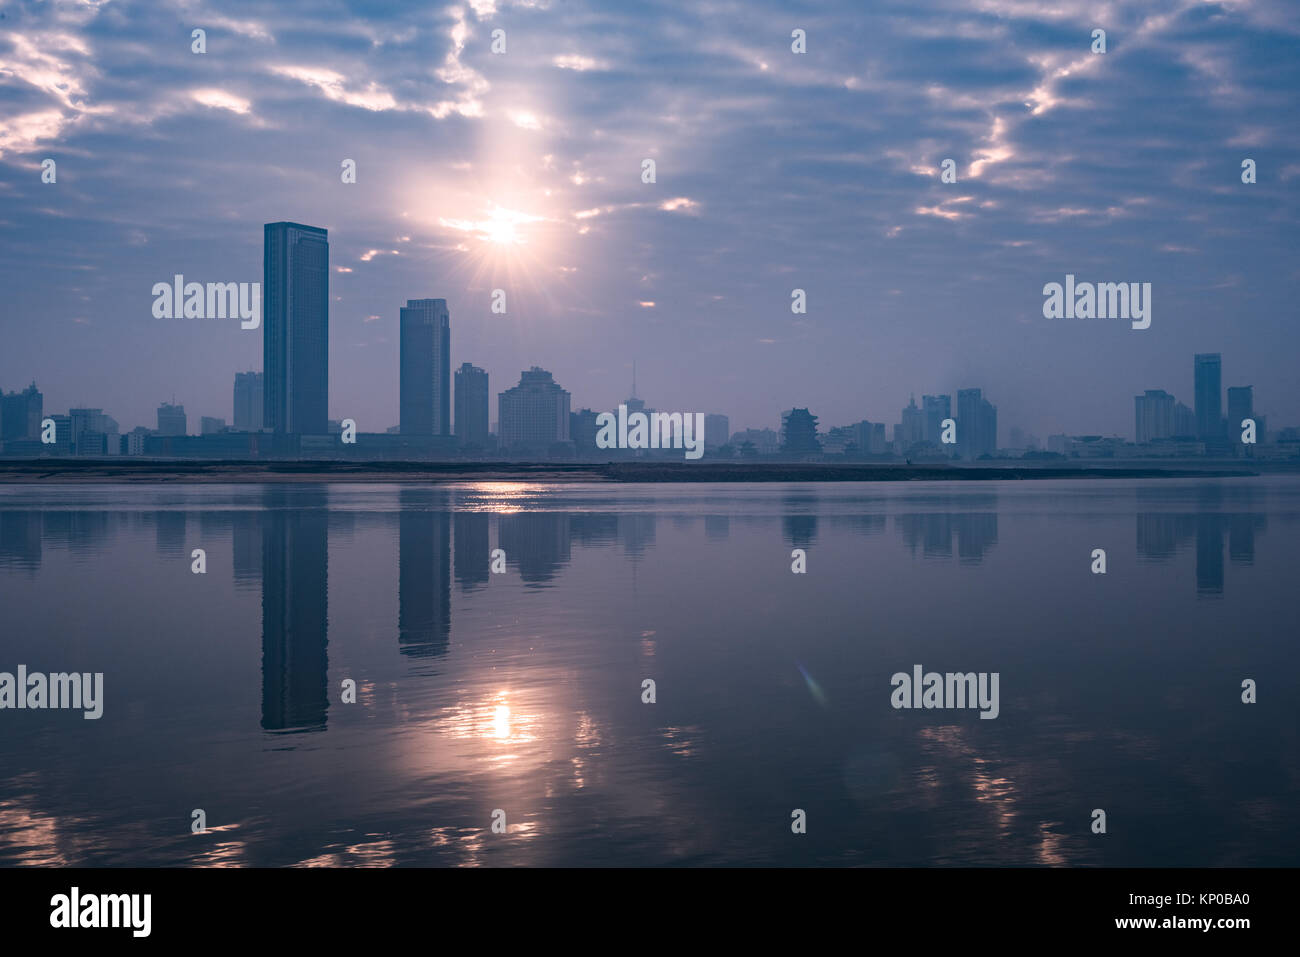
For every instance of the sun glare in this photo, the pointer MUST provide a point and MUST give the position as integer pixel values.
(502, 232)
(502, 226)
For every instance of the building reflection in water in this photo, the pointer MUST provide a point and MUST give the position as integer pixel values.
(1161, 535)
(246, 549)
(935, 532)
(424, 573)
(169, 531)
(799, 523)
(593, 528)
(537, 544)
(295, 665)
(473, 553)
(20, 540)
(636, 533)
(717, 528)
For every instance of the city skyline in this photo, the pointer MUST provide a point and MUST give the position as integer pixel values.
(776, 171)
(535, 414)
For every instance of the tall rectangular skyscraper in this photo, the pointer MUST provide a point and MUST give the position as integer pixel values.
(1241, 405)
(425, 332)
(1209, 395)
(977, 424)
(1154, 416)
(471, 405)
(295, 328)
(936, 408)
(249, 395)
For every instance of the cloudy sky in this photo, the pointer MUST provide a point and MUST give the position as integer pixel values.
(775, 171)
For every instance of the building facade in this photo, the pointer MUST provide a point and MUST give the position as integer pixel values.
(977, 424)
(295, 328)
(171, 419)
(535, 413)
(472, 401)
(425, 331)
(1154, 412)
(249, 415)
(1208, 374)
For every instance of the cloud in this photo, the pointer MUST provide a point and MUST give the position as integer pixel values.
(333, 85)
(576, 61)
(220, 100)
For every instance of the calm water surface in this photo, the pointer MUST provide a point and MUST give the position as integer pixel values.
(522, 691)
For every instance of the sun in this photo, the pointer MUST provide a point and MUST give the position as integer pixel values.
(501, 232)
(503, 226)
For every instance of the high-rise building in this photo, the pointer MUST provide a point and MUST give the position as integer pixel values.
(977, 424)
(1154, 416)
(863, 436)
(93, 432)
(425, 332)
(717, 429)
(935, 408)
(1241, 405)
(21, 414)
(210, 425)
(248, 402)
(62, 435)
(1209, 396)
(913, 425)
(171, 419)
(472, 400)
(535, 413)
(583, 432)
(295, 328)
(1184, 421)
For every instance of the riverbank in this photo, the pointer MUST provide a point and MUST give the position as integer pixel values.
(72, 471)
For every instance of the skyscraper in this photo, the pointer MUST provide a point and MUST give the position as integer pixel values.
(717, 429)
(94, 433)
(583, 431)
(1241, 405)
(535, 413)
(913, 425)
(1154, 415)
(248, 402)
(1209, 396)
(21, 413)
(977, 424)
(295, 328)
(936, 408)
(171, 419)
(472, 405)
(425, 332)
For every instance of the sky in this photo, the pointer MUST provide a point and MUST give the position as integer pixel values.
(774, 171)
